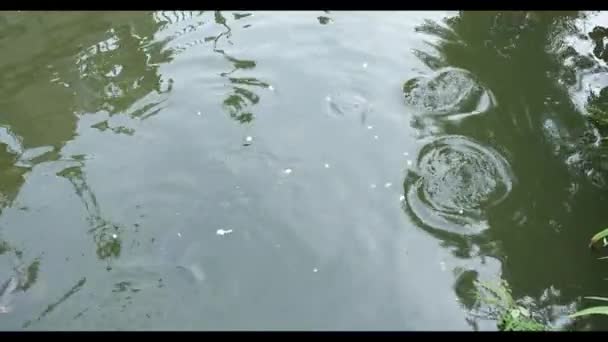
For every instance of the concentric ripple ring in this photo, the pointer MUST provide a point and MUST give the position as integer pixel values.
(457, 181)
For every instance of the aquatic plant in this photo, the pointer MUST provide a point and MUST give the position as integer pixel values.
(509, 314)
(595, 310)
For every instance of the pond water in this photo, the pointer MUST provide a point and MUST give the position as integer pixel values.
(298, 170)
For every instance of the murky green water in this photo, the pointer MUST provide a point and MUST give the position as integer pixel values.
(303, 170)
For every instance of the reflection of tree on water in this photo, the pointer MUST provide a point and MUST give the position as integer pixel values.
(122, 69)
(534, 128)
(242, 98)
(85, 63)
(12, 176)
(22, 277)
(55, 68)
(16, 274)
(105, 233)
(63, 65)
(598, 35)
(239, 102)
(77, 287)
(586, 74)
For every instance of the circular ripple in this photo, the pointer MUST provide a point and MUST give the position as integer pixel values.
(458, 179)
(450, 91)
(348, 104)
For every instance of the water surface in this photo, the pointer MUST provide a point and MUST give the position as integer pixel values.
(297, 170)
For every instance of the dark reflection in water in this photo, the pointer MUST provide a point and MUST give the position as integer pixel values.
(540, 219)
(583, 72)
(21, 278)
(11, 173)
(112, 69)
(108, 66)
(77, 287)
(17, 272)
(238, 104)
(105, 233)
(122, 69)
(102, 63)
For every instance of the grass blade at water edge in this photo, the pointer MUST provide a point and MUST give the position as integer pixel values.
(598, 310)
(597, 298)
(599, 236)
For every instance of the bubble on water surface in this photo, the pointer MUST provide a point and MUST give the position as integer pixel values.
(456, 181)
(448, 92)
(248, 141)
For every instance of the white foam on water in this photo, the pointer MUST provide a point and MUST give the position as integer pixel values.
(222, 232)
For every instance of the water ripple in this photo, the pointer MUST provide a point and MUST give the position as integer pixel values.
(457, 180)
(348, 104)
(450, 91)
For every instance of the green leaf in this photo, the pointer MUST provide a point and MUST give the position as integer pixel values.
(597, 310)
(597, 298)
(515, 313)
(524, 311)
(599, 236)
